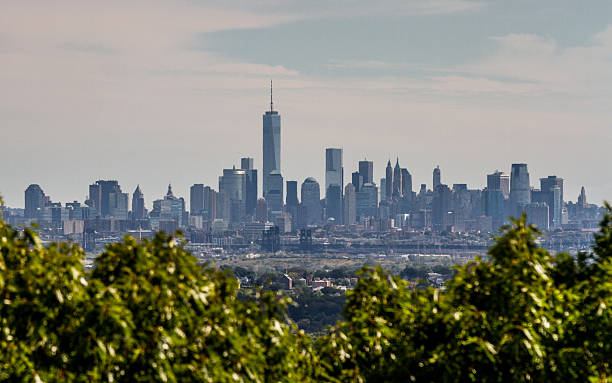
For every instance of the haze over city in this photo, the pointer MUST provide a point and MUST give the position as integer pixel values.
(156, 92)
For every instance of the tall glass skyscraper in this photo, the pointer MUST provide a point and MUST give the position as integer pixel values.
(520, 190)
(271, 145)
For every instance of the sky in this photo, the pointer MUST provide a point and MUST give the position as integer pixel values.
(153, 92)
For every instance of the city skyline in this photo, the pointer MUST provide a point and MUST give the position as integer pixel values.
(149, 103)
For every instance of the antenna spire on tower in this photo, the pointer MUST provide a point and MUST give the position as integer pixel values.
(271, 103)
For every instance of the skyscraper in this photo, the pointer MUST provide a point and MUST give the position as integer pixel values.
(111, 201)
(246, 164)
(366, 170)
(271, 144)
(196, 199)
(138, 204)
(233, 181)
(406, 183)
(552, 188)
(34, 201)
(397, 180)
(520, 190)
(275, 194)
(311, 201)
(350, 205)
(388, 181)
(292, 197)
(436, 177)
(334, 171)
(334, 179)
(499, 181)
(356, 180)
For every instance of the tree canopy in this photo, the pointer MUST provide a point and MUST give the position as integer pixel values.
(147, 312)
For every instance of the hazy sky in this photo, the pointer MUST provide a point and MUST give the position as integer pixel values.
(151, 92)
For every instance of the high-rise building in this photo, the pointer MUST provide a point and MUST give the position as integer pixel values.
(292, 196)
(246, 164)
(168, 213)
(138, 204)
(397, 180)
(271, 144)
(196, 199)
(275, 193)
(334, 170)
(233, 181)
(111, 201)
(582, 199)
(520, 189)
(366, 170)
(383, 189)
(334, 179)
(311, 201)
(441, 206)
(95, 198)
(436, 177)
(538, 214)
(34, 201)
(366, 201)
(499, 181)
(356, 180)
(552, 186)
(406, 184)
(334, 204)
(388, 181)
(350, 205)
(261, 211)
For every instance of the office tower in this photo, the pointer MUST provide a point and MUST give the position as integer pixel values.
(538, 214)
(95, 199)
(441, 206)
(406, 184)
(334, 170)
(34, 201)
(209, 212)
(334, 179)
(275, 193)
(548, 183)
(493, 201)
(552, 187)
(582, 200)
(357, 180)
(233, 182)
(168, 213)
(366, 170)
(397, 180)
(366, 201)
(138, 204)
(383, 189)
(436, 177)
(520, 190)
(271, 144)
(196, 199)
(334, 204)
(261, 211)
(499, 181)
(246, 164)
(292, 197)
(350, 205)
(107, 198)
(311, 201)
(388, 181)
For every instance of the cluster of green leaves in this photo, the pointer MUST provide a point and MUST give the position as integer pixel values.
(525, 315)
(148, 312)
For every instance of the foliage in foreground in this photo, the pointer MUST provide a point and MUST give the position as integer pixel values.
(147, 312)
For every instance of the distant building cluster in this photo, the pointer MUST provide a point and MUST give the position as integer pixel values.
(236, 208)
